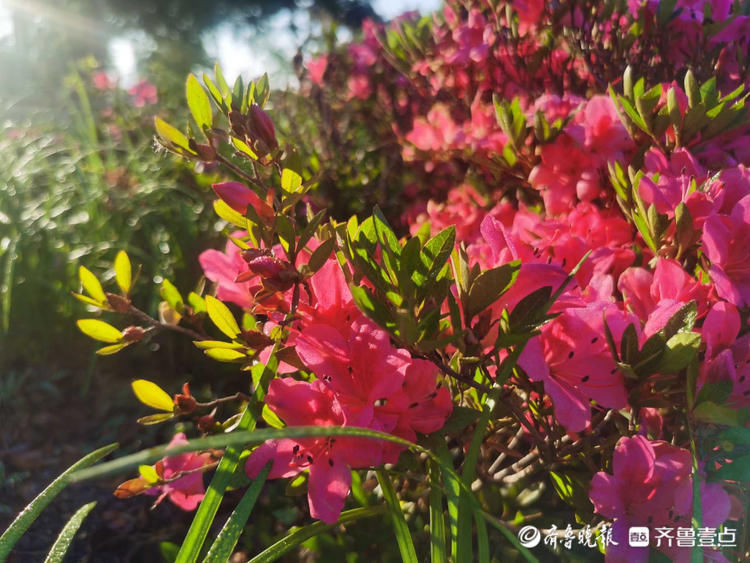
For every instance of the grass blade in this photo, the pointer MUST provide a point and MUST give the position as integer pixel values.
(63, 541)
(438, 550)
(22, 522)
(209, 506)
(483, 542)
(229, 464)
(297, 537)
(400, 528)
(222, 548)
(511, 537)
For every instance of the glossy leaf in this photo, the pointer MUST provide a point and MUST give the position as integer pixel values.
(222, 317)
(92, 285)
(123, 272)
(99, 330)
(198, 102)
(150, 394)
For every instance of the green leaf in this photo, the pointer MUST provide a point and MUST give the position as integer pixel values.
(63, 541)
(91, 284)
(681, 349)
(171, 295)
(229, 215)
(99, 330)
(629, 345)
(155, 418)
(198, 102)
(290, 180)
(437, 250)
(438, 538)
(225, 355)
(738, 470)
(206, 344)
(489, 286)
(712, 413)
(271, 418)
(222, 317)
(123, 272)
(400, 528)
(32, 511)
(460, 418)
(718, 392)
(174, 138)
(112, 349)
(223, 546)
(297, 537)
(531, 309)
(321, 254)
(150, 394)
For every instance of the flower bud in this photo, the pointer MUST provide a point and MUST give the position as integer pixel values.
(118, 303)
(133, 334)
(261, 127)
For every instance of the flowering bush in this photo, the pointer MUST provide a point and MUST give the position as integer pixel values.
(545, 322)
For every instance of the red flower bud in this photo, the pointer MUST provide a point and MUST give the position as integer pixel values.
(133, 334)
(261, 127)
(238, 196)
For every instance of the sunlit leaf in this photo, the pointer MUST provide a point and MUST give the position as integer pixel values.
(198, 102)
(150, 394)
(290, 180)
(123, 272)
(99, 330)
(222, 317)
(91, 284)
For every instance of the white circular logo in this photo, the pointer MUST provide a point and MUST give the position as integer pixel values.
(529, 536)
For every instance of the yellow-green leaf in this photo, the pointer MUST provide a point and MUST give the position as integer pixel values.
(155, 418)
(198, 102)
(225, 355)
(222, 317)
(290, 180)
(171, 135)
(99, 330)
(87, 300)
(206, 344)
(112, 349)
(148, 473)
(244, 148)
(150, 394)
(229, 214)
(123, 272)
(91, 284)
(271, 418)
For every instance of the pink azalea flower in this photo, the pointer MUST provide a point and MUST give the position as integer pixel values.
(143, 93)
(654, 298)
(317, 69)
(571, 357)
(727, 357)
(102, 81)
(223, 268)
(186, 492)
(651, 485)
(329, 460)
(725, 240)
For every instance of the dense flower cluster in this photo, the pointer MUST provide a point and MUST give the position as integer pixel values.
(578, 255)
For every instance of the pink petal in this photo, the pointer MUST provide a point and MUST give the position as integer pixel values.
(327, 489)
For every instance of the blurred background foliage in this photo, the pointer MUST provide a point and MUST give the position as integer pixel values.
(81, 178)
